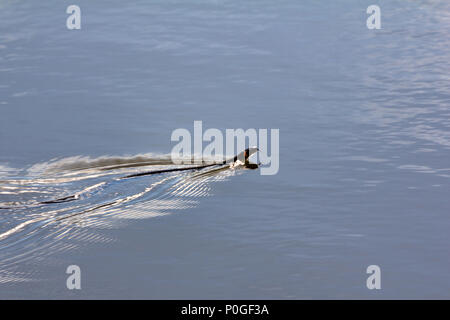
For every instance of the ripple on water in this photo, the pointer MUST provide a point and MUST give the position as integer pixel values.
(95, 199)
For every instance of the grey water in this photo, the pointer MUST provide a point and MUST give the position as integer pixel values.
(364, 120)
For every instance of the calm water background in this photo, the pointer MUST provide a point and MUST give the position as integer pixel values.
(364, 119)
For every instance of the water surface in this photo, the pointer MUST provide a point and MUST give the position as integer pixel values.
(364, 121)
